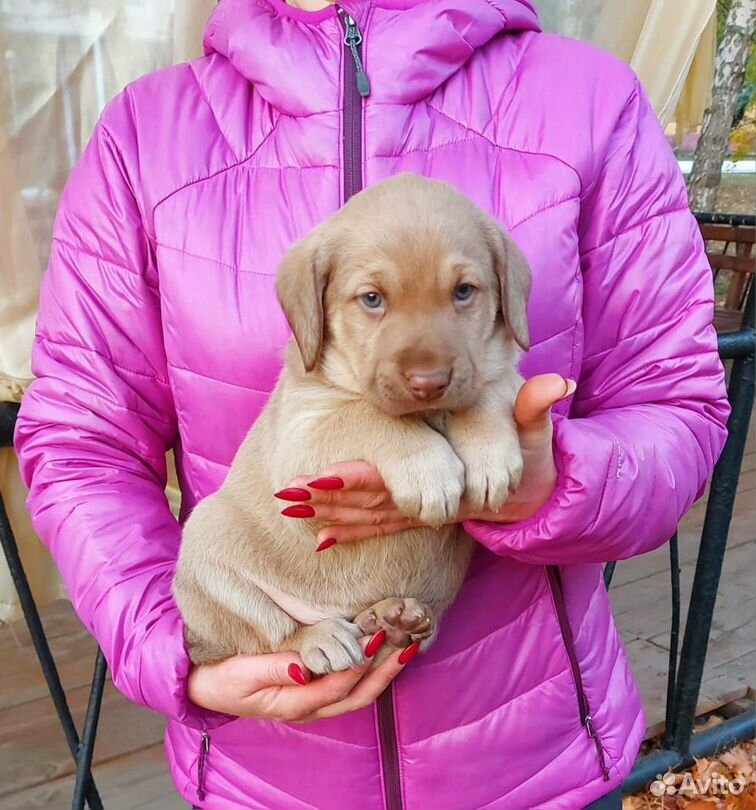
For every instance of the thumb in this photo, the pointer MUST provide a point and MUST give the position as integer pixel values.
(532, 410)
(270, 669)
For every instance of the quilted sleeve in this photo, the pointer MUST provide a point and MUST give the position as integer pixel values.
(94, 428)
(648, 419)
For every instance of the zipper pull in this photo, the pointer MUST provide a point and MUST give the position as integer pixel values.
(204, 751)
(591, 729)
(352, 39)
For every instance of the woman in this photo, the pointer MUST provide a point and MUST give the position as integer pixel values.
(158, 328)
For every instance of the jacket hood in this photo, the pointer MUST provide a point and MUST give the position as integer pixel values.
(294, 57)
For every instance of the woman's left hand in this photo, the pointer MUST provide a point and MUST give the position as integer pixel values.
(353, 500)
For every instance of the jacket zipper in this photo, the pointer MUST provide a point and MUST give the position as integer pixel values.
(357, 88)
(555, 583)
(392, 784)
(201, 763)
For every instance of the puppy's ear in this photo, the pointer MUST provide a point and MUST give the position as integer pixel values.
(300, 286)
(513, 271)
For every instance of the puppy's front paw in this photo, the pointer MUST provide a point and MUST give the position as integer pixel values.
(404, 620)
(330, 646)
(428, 484)
(493, 470)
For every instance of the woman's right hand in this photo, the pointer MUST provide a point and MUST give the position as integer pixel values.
(262, 686)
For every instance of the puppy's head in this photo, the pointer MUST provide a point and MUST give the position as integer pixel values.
(409, 296)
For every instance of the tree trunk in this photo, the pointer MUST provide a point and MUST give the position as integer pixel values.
(729, 68)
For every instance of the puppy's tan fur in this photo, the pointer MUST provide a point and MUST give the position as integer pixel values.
(247, 578)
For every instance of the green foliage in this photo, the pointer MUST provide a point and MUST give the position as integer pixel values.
(747, 96)
(723, 9)
(750, 73)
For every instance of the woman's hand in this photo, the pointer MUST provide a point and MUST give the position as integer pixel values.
(278, 687)
(352, 497)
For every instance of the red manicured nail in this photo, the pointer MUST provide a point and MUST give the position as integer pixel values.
(293, 494)
(299, 510)
(327, 543)
(296, 674)
(330, 482)
(408, 653)
(375, 643)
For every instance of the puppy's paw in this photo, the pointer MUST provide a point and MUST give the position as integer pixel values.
(428, 484)
(330, 646)
(404, 620)
(493, 471)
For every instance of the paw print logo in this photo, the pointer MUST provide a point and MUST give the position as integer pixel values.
(663, 785)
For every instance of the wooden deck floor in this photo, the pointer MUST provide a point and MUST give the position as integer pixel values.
(36, 769)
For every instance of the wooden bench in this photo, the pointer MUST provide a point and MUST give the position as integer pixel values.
(729, 246)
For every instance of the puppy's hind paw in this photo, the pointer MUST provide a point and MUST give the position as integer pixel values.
(330, 646)
(404, 620)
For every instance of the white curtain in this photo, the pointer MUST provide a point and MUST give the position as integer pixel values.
(669, 43)
(61, 60)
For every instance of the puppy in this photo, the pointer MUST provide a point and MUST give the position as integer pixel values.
(408, 309)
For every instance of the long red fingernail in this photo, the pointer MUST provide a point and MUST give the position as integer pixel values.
(296, 674)
(293, 494)
(299, 510)
(375, 643)
(327, 543)
(408, 653)
(330, 482)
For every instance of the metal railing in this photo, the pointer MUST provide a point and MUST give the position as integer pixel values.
(679, 746)
(81, 748)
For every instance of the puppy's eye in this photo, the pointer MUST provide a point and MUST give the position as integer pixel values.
(463, 292)
(372, 300)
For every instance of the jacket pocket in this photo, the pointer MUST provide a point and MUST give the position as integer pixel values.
(557, 593)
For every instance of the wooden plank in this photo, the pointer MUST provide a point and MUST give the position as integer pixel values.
(728, 233)
(136, 781)
(735, 264)
(21, 674)
(742, 530)
(58, 619)
(639, 593)
(649, 665)
(33, 749)
(728, 681)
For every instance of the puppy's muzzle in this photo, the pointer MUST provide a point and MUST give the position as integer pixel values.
(428, 384)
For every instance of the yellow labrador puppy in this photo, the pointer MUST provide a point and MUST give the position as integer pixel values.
(408, 309)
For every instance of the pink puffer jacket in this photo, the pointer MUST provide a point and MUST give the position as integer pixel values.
(159, 328)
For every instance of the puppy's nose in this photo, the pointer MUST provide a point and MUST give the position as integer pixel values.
(428, 383)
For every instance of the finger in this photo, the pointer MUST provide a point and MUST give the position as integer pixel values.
(536, 397)
(353, 516)
(352, 498)
(357, 475)
(366, 690)
(295, 702)
(254, 672)
(289, 703)
(349, 534)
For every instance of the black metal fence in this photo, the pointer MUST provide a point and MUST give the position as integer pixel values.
(81, 748)
(679, 745)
